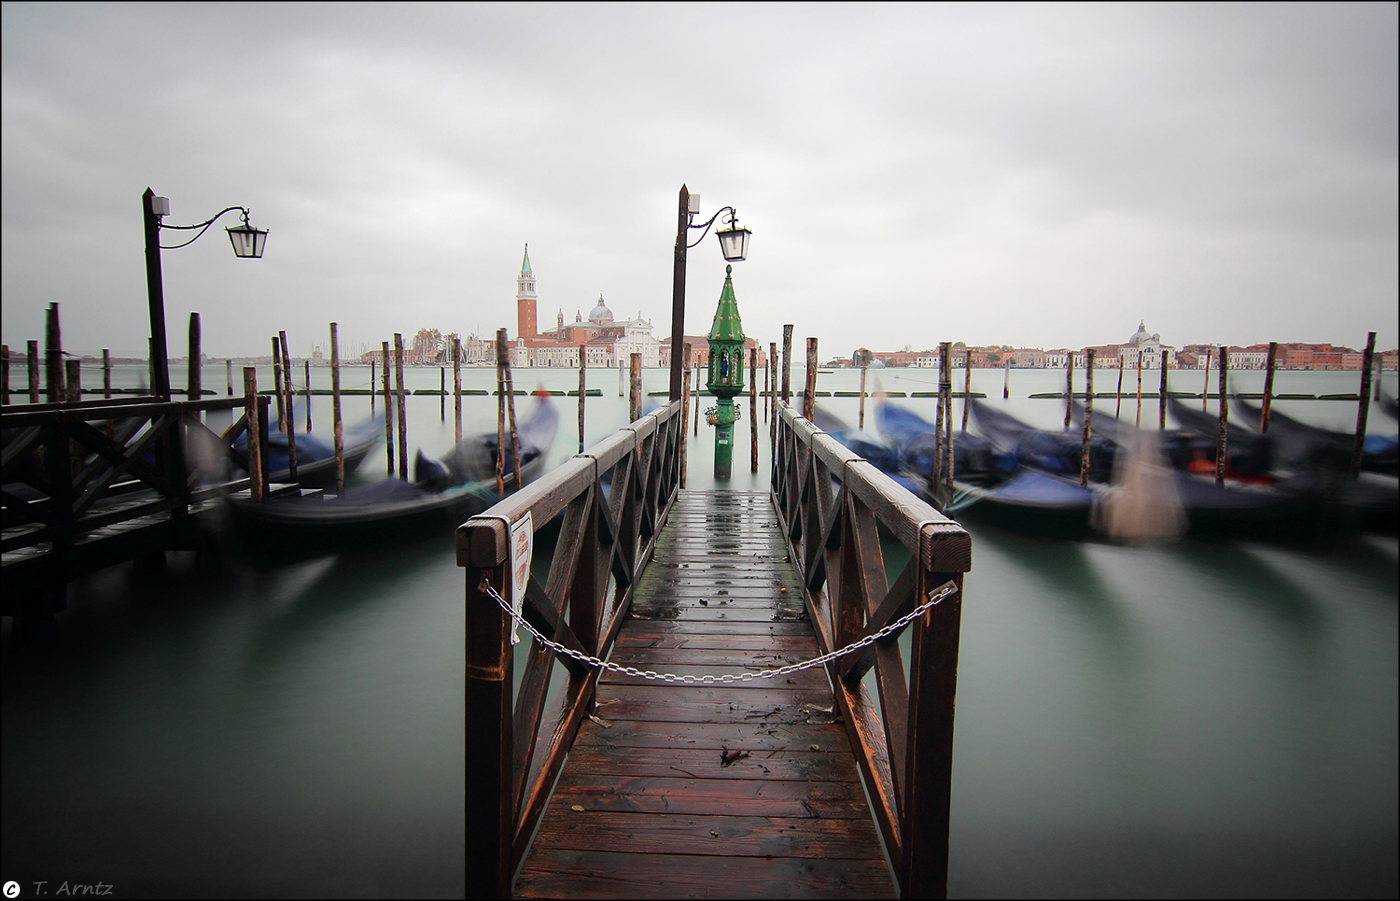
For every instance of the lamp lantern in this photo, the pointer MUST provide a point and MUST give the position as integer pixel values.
(734, 241)
(248, 242)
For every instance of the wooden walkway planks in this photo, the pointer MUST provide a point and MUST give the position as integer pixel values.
(646, 807)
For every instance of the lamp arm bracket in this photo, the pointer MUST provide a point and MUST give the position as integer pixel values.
(706, 225)
(202, 226)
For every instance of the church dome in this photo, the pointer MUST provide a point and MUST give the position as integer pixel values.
(1140, 335)
(600, 313)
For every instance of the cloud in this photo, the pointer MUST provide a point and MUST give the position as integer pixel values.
(1041, 175)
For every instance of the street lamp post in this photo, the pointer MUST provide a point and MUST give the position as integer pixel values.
(248, 243)
(733, 243)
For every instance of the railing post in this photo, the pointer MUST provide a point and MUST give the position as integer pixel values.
(483, 548)
(944, 555)
(58, 462)
(255, 455)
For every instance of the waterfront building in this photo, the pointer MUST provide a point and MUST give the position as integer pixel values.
(606, 341)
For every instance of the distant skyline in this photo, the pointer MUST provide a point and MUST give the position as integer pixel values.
(1033, 175)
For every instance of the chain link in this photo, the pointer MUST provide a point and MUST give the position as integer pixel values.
(935, 597)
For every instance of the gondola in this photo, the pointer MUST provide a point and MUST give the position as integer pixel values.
(444, 493)
(1372, 499)
(1043, 496)
(316, 457)
(885, 458)
(1300, 444)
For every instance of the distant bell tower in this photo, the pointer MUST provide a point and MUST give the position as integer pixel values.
(525, 299)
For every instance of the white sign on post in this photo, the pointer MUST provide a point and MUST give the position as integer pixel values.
(522, 547)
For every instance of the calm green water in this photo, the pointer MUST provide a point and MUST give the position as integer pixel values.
(1192, 719)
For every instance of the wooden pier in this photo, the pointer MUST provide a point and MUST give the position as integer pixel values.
(613, 785)
(711, 790)
(110, 481)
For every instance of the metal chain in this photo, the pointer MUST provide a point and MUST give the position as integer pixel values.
(935, 597)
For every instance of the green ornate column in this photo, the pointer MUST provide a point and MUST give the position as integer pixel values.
(726, 377)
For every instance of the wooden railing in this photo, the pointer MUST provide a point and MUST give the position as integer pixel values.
(609, 504)
(833, 507)
(78, 457)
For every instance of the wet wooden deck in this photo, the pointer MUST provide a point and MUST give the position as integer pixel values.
(647, 806)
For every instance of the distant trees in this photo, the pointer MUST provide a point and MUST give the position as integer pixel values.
(426, 345)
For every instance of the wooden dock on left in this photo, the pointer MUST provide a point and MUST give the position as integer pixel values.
(89, 484)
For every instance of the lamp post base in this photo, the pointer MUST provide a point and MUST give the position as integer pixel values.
(724, 451)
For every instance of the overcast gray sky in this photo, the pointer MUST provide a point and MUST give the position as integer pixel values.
(1034, 175)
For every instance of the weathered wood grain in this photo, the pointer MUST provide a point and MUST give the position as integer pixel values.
(719, 836)
(589, 874)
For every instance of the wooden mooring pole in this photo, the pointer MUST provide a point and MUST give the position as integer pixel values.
(291, 413)
(306, 396)
(194, 377)
(228, 375)
(1118, 395)
(1089, 413)
(335, 411)
(767, 382)
(456, 388)
(696, 418)
(1006, 379)
(442, 394)
(250, 399)
(1268, 387)
(583, 389)
(32, 355)
(74, 381)
(809, 393)
(510, 409)
(277, 385)
(107, 376)
(967, 387)
(787, 363)
(501, 412)
(1162, 394)
(634, 388)
(1220, 448)
(372, 386)
(946, 389)
(773, 393)
(5, 374)
(860, 422)
(753, 409)
(388, 405)
(402, 410)
(937, 479)
(1069, 386)
(1139, 397)
(53, 355)
(1205, 390)
(1359, 448)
